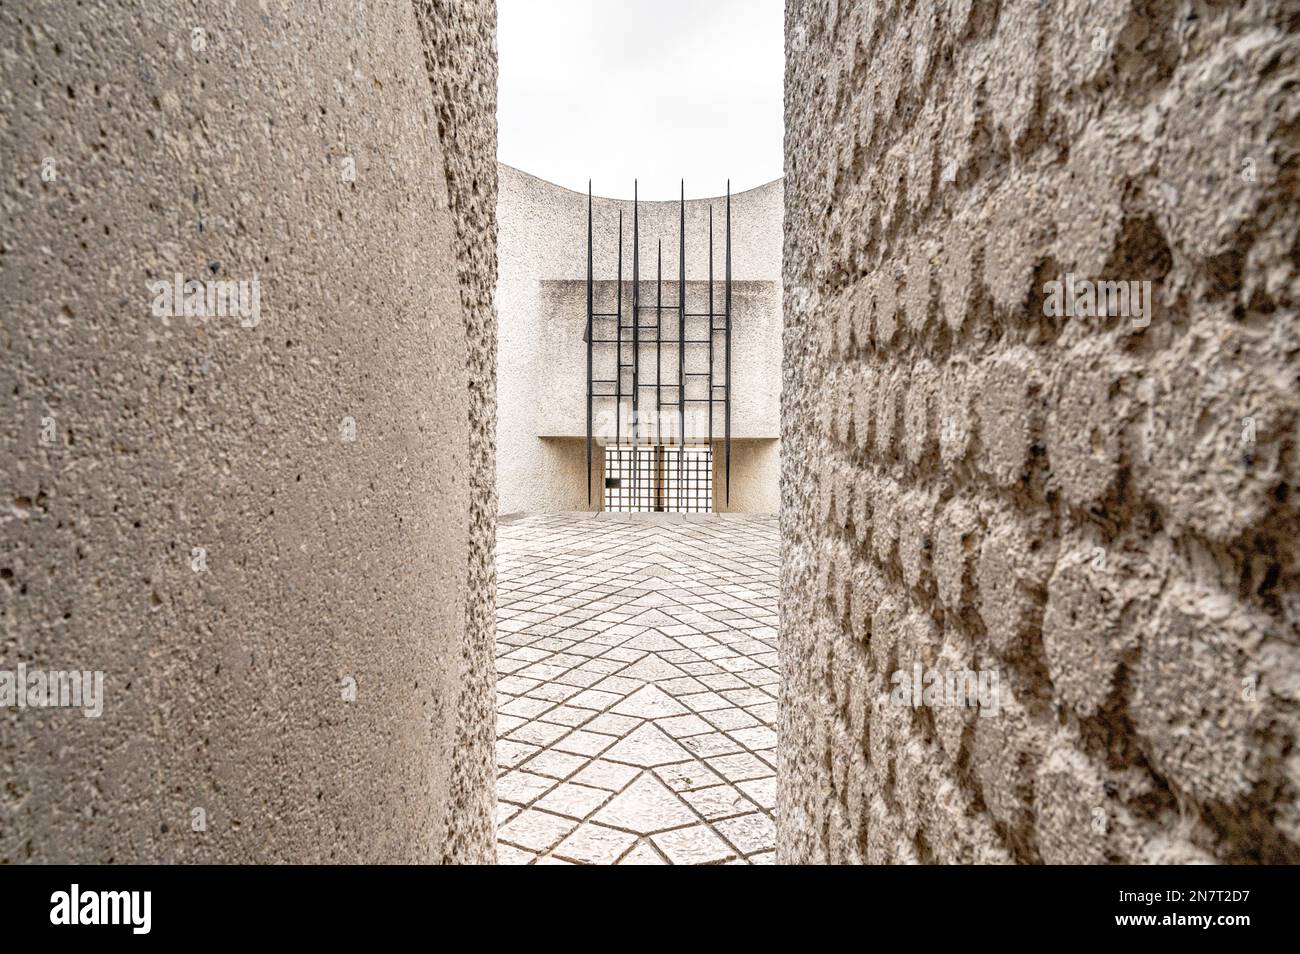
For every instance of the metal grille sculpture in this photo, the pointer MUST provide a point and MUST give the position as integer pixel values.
(631, 336)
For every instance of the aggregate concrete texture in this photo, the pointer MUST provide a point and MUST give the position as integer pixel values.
(274, 535)
(1097, 510)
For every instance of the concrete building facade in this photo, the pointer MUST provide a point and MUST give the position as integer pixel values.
(270, 528)
(541, 303)
(1092, 512)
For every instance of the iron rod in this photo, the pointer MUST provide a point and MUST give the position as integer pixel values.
(728, 301)
(710, 375)
(589, 342)
(681, 338)
(636, 305)
(618, 387)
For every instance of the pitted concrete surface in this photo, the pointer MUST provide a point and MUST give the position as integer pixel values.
(1102, 513)
(273, 539)
(637, 673)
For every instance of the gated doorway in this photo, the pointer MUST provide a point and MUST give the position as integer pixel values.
(659, 477)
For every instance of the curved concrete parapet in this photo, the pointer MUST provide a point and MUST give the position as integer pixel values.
(541, 298)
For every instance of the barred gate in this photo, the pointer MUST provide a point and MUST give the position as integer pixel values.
(659, 478)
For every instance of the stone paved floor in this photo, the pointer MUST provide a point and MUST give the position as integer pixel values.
(637, 683)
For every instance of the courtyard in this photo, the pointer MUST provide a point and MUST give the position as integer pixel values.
(637, 675)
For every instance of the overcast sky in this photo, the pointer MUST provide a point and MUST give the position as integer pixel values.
(656, 89)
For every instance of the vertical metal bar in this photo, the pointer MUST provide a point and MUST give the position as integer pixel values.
(681, 338)
(636, 322)
(728, 300)
(589, 336)
(710, 404)
(659, 322)
(618, 337)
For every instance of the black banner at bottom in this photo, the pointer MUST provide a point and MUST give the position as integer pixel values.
(138, 904)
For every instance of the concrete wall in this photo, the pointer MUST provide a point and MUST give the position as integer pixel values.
(541, 298)
(755, 476)
(1100, 514)
(239, 525)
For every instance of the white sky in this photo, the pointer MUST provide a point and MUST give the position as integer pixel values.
(654, 89)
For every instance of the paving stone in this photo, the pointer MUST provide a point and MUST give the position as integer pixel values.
(510, 754)
(517, 685)
(740, 767)
(718, 801)
(552, 692)
(682, 686)
(643, 854)
(681, 726)
(554, 763)
(697, 845)
(566, 715)
(687, 775)
(649, 702)
(715, 743)
(705, 701)
(575, 801)
(507, 724)
(595, 699)
(651, 668)
(608, 723)
(723, 680)
(607, 775)
(647, 746)
(585, 743)
(618, 685)
(757, 738)
(525, 707)
(505, 812)
(729, 719)
(750, 833)
(583, 680)
(746, 697)
(594, 844)
(510, 855)
(761, 790)
(538, 733)
(652, 641)
(522, 788)
(645, 806)
(536, 830)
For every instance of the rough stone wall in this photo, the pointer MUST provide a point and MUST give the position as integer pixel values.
(1104, 515)
(242, 525)
(460, 53)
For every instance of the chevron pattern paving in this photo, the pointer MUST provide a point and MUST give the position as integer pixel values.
(637, 677)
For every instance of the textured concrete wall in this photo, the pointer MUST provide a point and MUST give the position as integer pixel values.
(1101, 514)
(542, 302)
(755, 476)
(243, 524)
